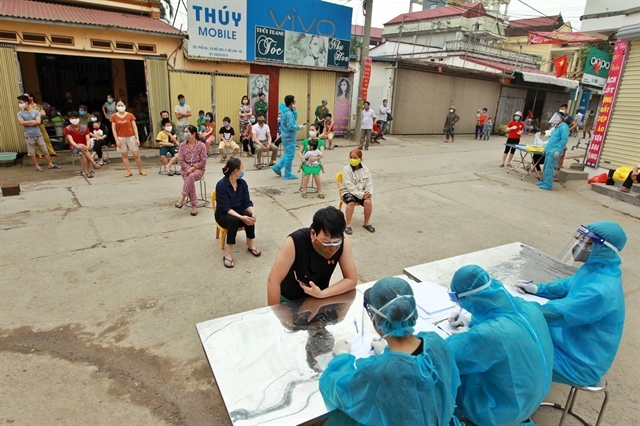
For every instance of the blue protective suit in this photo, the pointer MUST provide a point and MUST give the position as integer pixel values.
(288, 130)
(394, 388)
(557, 141)
(586, 313)
(506, 357)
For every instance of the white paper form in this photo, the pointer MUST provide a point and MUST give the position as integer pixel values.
(361, 345)
(528, 297)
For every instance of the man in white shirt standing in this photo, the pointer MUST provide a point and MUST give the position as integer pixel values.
(262, 141)
(384, 110)
(368, 117)
(182, 112)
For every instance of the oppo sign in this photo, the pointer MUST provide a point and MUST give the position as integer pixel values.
(600, 63)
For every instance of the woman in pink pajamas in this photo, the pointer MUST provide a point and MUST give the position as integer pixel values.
(193, 161)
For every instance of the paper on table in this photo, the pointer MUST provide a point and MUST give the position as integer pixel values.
(361, 346)
(528, 297)
(431, 298)
(426, 326)
(445, 327)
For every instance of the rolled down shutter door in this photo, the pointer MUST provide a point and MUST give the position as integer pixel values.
(622, 144)
(157, 76)
(229, 93)
(296, 83)
(12, 139)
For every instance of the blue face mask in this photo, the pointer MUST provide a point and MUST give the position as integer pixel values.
(517, 118)
(201, 117)
(183, 101)
(226, 124)
(186, 136)
(110, 100)
(207, 119)
(253, 120)
(241, 175)
(81, 113)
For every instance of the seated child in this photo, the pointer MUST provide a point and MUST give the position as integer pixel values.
(376, 133)
(312, 152)
(226, 140)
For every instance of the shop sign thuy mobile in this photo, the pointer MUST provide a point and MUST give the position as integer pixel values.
(601, 123)
(316, 34)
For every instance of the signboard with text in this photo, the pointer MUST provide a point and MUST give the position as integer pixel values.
(596, 67)
(279, 31)
(601, 123)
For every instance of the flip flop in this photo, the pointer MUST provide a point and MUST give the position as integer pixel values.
(178, 205)
(143, 173)
(255, 252)
(304, 195)
(194, 213)
(225, 260)
(369, 228)
(128, 175)
(348, 230)
(321, 196)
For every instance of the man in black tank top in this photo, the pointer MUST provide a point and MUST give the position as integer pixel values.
(309, 256)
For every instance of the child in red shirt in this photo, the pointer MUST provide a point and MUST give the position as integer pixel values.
(515, 129)
(376, 133)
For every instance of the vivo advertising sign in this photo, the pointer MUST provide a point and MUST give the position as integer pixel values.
(312, 33)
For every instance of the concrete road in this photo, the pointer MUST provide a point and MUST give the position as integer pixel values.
(103, 280)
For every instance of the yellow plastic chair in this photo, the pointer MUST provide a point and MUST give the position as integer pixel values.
(221, 233)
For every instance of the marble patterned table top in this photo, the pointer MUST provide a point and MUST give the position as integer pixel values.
(508, 263)
(267, 362)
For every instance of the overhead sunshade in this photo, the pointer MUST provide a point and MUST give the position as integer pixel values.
(548, 79)
(553, 37)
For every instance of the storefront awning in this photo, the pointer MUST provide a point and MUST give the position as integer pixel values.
(548, 79)
(553, 37)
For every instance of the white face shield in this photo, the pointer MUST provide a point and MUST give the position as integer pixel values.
(579, 247)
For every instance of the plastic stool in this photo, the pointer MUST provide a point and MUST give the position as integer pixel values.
(202, 201)
(568, 407)
(310, 187)
(76, 171)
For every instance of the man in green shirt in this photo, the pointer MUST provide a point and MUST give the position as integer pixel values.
(321, 113)
(261, 106)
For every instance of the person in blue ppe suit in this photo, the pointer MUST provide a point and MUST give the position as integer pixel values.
(557, 141)
(586, 311)
(505, 357)
(413, 381)
(288, 130)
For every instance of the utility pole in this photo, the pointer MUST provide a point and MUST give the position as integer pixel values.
(366, 39)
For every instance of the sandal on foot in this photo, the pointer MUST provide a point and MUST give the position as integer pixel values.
(90, 175)
(348, 230)
(255, 252)
(178, 205)
(369, 228)
(229, 261)
(39, 169)
(305, 195)
(194, 212)
(321, 196)
(97, 166)
(143, 173)
(128, 175)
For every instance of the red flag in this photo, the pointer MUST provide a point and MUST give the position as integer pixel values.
(560, 65)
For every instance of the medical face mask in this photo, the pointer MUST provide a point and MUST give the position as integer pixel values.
(253, 120)
(293, 107)
(245, 102)
(74, 121)
(261, 120)
(183, 101)
(109, 100)
(355, 162)
(168, 129)
(516, 117)
(241, 175)
(326, 250)
(450, 110)
(278, 119)
(312, 133)
(207, 119)
(226, 124)
(22, 106)
(186, 136)
(120, 108)
(93, 119)
(455, 297)
(384, 103)
(80, 113)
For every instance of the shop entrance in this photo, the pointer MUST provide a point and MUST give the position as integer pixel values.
(89, 80)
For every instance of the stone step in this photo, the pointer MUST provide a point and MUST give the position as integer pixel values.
(566, 174)
(612, 191)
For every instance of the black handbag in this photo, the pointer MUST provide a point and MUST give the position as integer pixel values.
(389, 117)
